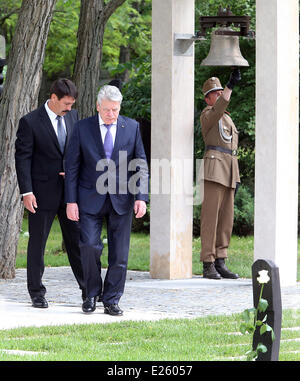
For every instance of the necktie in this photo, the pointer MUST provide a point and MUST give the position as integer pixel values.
(61, 133)
(108, 142)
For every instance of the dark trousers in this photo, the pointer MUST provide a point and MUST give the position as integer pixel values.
(39, 227)
(118, 236)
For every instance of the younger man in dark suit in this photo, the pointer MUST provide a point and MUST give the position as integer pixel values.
(42, 138)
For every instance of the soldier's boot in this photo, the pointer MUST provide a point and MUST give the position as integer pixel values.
(223, 270)
(209, 271)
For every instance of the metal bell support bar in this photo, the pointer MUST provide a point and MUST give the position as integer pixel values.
(225, 42)
(226, 18)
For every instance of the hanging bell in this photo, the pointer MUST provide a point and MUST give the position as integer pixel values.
(224, 50)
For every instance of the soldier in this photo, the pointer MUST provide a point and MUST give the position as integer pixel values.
(221, 175)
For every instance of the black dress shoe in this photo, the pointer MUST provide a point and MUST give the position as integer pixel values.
(223, 270)
(89, 305)
(39, 302)
(113, 309)
(209, 271)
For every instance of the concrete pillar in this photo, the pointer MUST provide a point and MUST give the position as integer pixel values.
(171, 142)
(277, 124)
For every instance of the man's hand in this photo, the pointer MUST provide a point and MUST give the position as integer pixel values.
(62, 174)
(140, 208)
(73, 211)
(30, 202)
(234, 78)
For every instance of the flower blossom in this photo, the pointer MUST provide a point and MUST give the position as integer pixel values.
(263, 276)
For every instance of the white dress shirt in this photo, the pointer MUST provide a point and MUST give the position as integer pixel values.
(53, 116)
(103, 130)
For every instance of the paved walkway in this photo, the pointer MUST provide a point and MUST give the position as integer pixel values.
(144, 299)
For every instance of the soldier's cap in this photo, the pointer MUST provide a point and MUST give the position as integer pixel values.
(212, 84)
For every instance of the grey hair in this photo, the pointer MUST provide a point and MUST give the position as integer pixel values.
(111, 93)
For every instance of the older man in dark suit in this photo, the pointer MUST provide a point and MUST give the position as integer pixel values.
(42, 138)
(106, 177)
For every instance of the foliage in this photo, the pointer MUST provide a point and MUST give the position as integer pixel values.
(137, 92)
(129, 26)
(243, 212)
(62, 43)
(246, 157)
(238, 7)
(142, 224)
(196, 220)
(8, 18)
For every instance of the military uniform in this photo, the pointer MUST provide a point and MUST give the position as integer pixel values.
(221, 175)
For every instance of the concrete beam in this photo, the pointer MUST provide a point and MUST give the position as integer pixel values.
(277, 130)
(172, 141)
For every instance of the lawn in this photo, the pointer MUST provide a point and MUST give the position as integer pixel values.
(240, 252)
(213, 338)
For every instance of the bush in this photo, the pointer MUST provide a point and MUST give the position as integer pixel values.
(243, 212)
(142, 225)
(196, 220)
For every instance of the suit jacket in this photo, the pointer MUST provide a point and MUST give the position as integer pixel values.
(38, 157)
(218, 166)
(89, 179)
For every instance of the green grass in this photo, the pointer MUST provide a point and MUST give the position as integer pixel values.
(213, 338)
(240, 253)
(54, 255)
(202, 339)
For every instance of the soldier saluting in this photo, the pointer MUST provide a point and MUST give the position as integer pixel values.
(221, 175)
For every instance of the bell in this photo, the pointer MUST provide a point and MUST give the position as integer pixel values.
(224, 50)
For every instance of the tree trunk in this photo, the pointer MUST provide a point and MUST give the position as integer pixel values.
(123, 58)
(93, 17)
(20, 96)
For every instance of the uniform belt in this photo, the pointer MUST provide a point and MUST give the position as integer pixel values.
(232, 152)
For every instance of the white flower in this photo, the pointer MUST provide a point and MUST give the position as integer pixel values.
(263, 276)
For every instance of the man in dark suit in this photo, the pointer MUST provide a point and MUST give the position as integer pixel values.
(42, 138)
(106, 177)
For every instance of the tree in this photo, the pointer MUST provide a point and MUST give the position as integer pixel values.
(9, 10)
(127, 38)
(20, 95)
(94, 15)
(62, 43)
